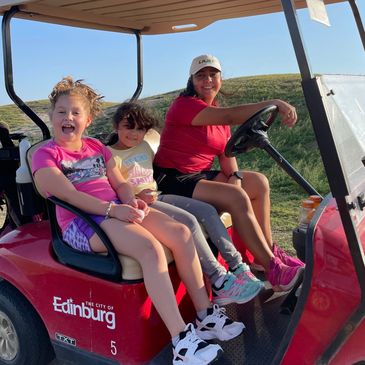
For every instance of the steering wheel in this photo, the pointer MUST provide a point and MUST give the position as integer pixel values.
(252, 133)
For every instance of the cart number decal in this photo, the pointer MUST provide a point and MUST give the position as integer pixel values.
(113, 348)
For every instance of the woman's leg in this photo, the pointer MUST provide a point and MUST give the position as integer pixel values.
(208, 216)
(169, 204)
(257, 188)
(234, 200)
(138, 243)
(178, 239)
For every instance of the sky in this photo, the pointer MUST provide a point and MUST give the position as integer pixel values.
(259, 45)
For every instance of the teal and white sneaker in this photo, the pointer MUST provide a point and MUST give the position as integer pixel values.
(243, 272)
(216, 325)
(235, 290)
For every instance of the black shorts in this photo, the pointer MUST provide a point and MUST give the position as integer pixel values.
(171, 181)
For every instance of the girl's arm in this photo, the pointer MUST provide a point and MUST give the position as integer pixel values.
(123, 189)
(52, 181)
(238, 114)
(55, 183)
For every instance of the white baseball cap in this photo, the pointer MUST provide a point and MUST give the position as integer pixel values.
(205, 60)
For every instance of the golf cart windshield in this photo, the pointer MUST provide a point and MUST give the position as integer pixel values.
(344, 98)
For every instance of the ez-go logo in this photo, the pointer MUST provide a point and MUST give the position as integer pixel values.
(65, 339)
(84, 310)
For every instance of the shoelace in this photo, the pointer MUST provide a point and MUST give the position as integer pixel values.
(243, 271)
(193, 338)
(218, 311)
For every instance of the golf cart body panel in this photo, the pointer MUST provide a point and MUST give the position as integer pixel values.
(326, 292)
(96, 315)
(327, 325)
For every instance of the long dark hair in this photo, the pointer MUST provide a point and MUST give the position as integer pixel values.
(136, 115)
(190, 91)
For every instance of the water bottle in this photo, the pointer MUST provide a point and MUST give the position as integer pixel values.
(30, 203)
(306, 213)
(316, 199)
(307, 209)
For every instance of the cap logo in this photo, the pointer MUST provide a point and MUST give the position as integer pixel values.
(205, 61)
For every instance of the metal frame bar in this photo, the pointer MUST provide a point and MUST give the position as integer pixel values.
(297, 39)
(8, 74)
(139, 67)
(333, 169)
(358, 21)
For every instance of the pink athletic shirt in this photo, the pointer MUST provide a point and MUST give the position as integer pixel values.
(86, 169)
(185, 147)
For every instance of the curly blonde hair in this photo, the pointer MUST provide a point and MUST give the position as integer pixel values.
(67, 86)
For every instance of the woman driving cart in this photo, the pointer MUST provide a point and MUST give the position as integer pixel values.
(196, 131)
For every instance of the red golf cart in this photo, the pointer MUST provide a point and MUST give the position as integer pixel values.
(77, 308)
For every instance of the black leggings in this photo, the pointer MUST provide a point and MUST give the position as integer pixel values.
(171, 181)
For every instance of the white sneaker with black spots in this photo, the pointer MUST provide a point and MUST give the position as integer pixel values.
(192, 350)
(216, 325)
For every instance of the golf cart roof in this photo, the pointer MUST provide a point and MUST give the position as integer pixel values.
(144, 16)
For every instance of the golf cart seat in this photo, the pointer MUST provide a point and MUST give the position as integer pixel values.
(110, 266)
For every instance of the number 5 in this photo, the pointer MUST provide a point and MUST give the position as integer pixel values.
(113, 348)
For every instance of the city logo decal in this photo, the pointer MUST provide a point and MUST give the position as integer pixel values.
(88, 310)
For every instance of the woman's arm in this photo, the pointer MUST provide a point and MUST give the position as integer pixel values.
(228, 166)
(238, 114)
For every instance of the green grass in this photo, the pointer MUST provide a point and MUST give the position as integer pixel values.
(297, 145)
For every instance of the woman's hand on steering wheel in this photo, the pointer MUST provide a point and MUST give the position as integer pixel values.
(288, 113)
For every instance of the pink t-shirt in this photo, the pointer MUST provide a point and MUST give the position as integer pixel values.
(86, 169)
(185, 147)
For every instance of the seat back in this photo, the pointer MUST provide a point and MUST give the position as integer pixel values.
(153, 139)
(105, 266)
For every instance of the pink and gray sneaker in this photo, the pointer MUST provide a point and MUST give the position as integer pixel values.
(285, 258)
(283, 277)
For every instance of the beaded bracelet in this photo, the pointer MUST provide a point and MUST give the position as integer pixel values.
(107, 212)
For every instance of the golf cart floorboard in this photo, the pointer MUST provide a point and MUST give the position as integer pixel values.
(265, 328)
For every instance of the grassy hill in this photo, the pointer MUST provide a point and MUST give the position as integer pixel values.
(298, 144)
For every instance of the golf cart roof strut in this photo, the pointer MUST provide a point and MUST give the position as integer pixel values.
(358, 21)
(139, 67)
(8, 74)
